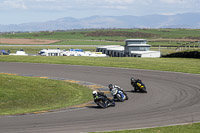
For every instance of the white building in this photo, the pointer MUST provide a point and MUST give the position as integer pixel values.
(132, 48)
(51, 52)
(19, 53)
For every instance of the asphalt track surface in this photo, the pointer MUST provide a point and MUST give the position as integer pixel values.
(172, 98)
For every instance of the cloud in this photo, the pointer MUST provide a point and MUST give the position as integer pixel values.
(103, 2)
(167, 13)
(115, 7)
(191, 5)
(176, 1)
(46, 0)
(119, 1)
(19, 4)
(95, 6)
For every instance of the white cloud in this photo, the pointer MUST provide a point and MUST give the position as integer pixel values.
(119, 1)
(46, 0)
(15, 4)
(146, 2)
(115, 7)
(174, 1)
(187, 5)
(167, 13)
(104, 2)
(85, 8)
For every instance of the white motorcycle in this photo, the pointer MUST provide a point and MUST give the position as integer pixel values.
(119, 95)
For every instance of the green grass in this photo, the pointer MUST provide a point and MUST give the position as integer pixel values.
(190, 128)
(164, 64)
(81, 38)
(87, 42)
(29, 94)
(77, 42)
(84, 37)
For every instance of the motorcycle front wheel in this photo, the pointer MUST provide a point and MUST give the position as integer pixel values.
(144, 90)
(102, 104)
(119, 98)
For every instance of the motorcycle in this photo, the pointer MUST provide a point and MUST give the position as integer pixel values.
(119, 95)
(104, 102)
(140, 87)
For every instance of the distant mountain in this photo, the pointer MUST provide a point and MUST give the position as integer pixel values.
(186, 20)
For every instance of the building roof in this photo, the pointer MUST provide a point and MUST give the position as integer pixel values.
(51, 49)
(143, 52)
(121, 48)
(109, 46)
(135, 40)
(139, 45)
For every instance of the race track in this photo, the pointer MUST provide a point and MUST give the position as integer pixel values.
(172, 98)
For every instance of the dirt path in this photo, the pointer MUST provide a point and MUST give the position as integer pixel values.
(26, 41)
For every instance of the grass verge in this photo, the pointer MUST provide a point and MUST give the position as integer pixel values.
(190, 128)
(20, 94)
(186, 65)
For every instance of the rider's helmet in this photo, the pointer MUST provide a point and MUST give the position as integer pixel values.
(110, 86)
(132, 79)
(94, 93)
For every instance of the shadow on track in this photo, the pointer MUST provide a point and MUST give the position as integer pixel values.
(132, 91)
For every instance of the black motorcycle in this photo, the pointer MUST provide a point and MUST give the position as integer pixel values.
(103, 102)
(138, 86)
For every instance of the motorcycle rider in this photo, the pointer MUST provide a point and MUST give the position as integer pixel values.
(134, 83)
(98, 94)
(110, 86)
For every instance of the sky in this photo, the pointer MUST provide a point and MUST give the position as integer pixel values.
(25, 11)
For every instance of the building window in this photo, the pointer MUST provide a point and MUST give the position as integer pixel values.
(138, 48)
(136, 42)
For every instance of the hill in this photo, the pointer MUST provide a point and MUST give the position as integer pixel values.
(186, 20)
